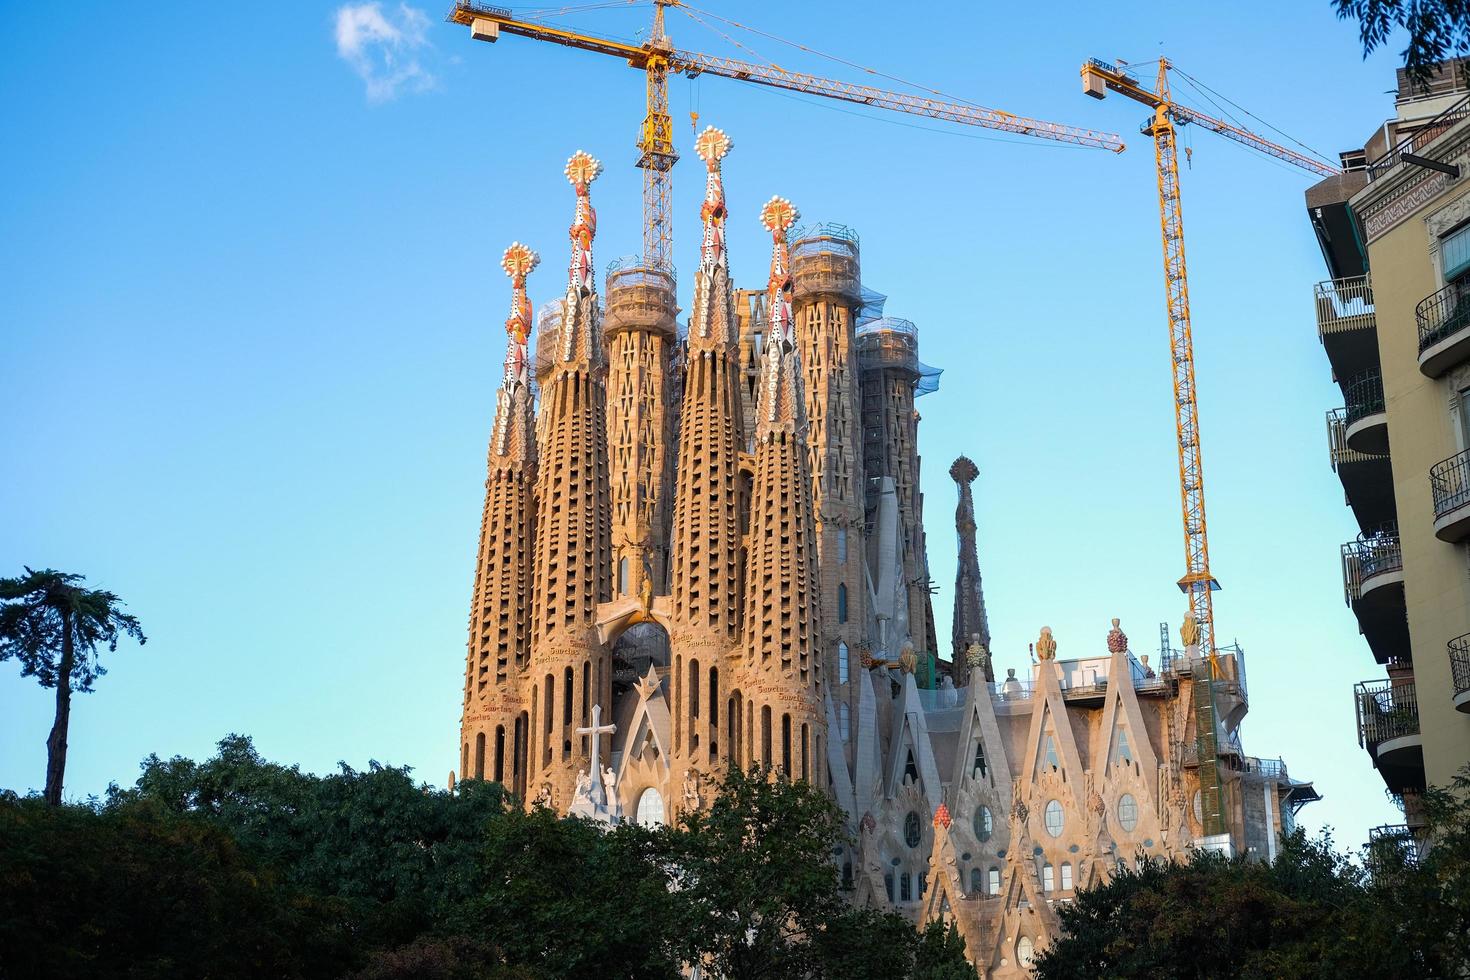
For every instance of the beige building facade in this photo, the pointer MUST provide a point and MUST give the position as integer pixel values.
(1395, 323)
(703, 545)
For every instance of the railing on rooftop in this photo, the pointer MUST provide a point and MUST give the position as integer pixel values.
(1420, 138)
(1270, 768)
(1387, 709)
(1459, 650)
(1364, 395)
(1372, 553)
(1344, 304)
(1449, 483)
(629, 269)
(825, 229)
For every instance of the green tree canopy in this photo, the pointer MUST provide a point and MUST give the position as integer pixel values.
(370, 875)
(1310, 913)
(1435, 30)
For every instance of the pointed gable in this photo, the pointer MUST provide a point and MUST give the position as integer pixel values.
(980, 728)
(1051, 731)
(909, 746)
(1123, 732)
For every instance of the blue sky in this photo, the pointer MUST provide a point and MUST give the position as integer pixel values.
(252, 322)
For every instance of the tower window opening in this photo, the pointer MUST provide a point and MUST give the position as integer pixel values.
(912, 831)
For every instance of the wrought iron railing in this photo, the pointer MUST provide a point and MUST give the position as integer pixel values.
(1364, 395)
(1373, 553)
(1459, 649)
(1421, 137)
(1442, 313)
(1449, 483)
(1387, 709)
(1344, 304)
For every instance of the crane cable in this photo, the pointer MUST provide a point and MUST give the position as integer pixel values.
(1206, 91)
(830, 57)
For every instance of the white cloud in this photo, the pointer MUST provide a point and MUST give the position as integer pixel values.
(383, 48)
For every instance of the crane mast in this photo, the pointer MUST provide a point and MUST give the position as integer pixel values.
(657, 58)
(1198, 583)
(656, 155)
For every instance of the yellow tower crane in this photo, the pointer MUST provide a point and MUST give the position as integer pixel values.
(657, 57)
(1198, 583)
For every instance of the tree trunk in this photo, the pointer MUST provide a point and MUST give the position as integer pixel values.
(56, 742)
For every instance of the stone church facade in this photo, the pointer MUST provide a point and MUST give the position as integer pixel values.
(706, 547)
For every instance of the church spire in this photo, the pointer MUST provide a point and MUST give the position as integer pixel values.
(494, 725)
(783, 619)
(706, 598)
(570, 669)
(970, 623)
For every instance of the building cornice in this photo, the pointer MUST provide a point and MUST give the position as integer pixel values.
(1390, 201)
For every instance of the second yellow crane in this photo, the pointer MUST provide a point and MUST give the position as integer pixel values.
(1198, 582)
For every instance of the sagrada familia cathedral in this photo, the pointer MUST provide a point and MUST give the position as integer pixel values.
(705, 547)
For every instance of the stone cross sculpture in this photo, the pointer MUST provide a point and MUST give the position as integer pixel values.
(597, 729)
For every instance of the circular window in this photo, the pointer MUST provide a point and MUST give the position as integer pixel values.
(1127, 811)
(1199, 809)
(1054, 818)
(911, 832)
(984, 824)
(651, 808)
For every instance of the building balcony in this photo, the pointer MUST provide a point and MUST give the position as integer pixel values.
(1373, 586)
(1459, 649)
(1367, 478)
(1366, 415)
(1347, 325)
(1388, 727)
(1444, 329)
(1449, 485)
(1394, 846)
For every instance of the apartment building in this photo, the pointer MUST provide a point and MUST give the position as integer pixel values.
(1394, 321)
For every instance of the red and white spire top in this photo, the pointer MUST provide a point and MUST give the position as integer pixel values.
(581, 170)
(778, 216)
(712, 145)
(518, 261)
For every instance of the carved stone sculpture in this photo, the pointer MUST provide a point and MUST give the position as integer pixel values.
(1117, 639)
(1046, 645)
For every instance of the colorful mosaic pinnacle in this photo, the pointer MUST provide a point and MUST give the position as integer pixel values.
(777, 216)
(581, 170)
(518, 260)
(712, 145)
